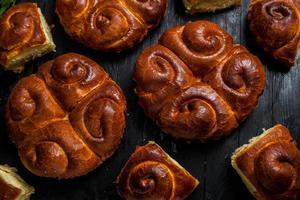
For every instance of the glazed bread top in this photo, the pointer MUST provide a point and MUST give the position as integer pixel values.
(271, 164)
(196, 83)
(276, 26)
(66, 119)
(151, 173)
(23, 32)
(110, 25)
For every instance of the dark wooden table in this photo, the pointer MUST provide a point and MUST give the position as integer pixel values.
(210, 162)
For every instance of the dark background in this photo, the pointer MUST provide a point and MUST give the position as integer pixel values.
(209, 162)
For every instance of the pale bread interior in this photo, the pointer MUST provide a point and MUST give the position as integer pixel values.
(16, 63)
(242, 150)
(9, 175)
(209, 5)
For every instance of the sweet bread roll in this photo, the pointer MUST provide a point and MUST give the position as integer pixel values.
(24, 35)
(270, 165)
(275, 24)
(66, 119)
(194, 6)
(150, 173)
(196, 83)
(12, 186)
(110, 25)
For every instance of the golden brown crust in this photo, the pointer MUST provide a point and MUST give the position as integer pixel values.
(22, 28)
(109, 25)
(276, 26)
(66, 119)
(150, 173)
(196, 83)
(271, 164)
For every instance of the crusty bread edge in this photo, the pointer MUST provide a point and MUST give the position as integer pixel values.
(15, 180)
(240, 151)
(192, 9)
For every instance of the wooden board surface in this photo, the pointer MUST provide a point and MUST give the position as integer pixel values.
(210, 162)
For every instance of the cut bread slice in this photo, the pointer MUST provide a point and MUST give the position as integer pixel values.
(14, 59)
(13, 187)
(152, 161)
(201, 6)
(244, 161)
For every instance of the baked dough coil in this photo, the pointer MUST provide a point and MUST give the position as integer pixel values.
(277, 167)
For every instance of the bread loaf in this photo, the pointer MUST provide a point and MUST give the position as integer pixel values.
(67, 118)
(196, 83)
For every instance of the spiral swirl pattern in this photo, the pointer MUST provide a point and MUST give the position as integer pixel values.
(145, 181)
(21, 28)
(72, 77)
(199, 44)
(275, 167)
(100, 119)
(151, 11)
(66, 119)
(110, 25)
(197, 84)
(161, 74)
(77, 8)
(151, 174)
(197, 113)
(271, 163)
(276, 25)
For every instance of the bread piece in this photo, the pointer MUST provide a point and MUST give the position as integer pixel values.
(270, 165)
(12, 186)
(110, 25)
(150, 173)
(67, 119)
(201, 6)
(196, 84)
(24, 35)
(275, 24)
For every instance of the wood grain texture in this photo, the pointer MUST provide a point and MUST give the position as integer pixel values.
(210, 162)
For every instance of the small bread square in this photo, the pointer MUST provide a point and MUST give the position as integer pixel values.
(202, 6)
(270, 165)
(12, 186)
(24, 35)
(150, 173)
